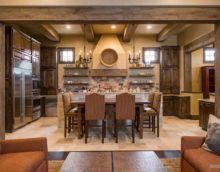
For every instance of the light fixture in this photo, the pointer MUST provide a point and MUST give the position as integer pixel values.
(68, 27)
(149, 27)
(113, 27)
(134, 58)
(86, 58)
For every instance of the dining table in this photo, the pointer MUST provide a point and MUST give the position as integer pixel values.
(78, 100)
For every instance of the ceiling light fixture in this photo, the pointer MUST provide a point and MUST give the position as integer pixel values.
(113, 27)
(68, 27)
(149, 27)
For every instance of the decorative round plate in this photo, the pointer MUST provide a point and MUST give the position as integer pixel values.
(109, 57)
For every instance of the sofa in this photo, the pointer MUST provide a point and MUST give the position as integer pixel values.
(24, 155)
(196, 159)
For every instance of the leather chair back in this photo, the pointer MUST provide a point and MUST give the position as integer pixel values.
(66, 102)
(125, 106)
(151, 98)
(157, 102)
(95, 107)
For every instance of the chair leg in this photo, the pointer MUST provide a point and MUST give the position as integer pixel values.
(114, 127)
(133, 136)
(116, 131)
(105, 128)
(86, 130)
(103, 131)
(69, 124)
(158, 126)
(153, 123)
(65, 121)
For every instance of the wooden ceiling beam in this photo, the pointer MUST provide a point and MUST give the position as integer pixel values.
(201, 42)
(49, 32)
(41, 32)
(110, 14)
(129, 32)
(170, 30)
(88, 31)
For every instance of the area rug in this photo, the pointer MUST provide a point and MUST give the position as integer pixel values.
(172, 164)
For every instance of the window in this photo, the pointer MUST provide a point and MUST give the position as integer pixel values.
(151, 55)
(209, 55)
(66, 55)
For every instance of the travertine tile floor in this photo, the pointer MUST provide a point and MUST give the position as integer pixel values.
(172, 130)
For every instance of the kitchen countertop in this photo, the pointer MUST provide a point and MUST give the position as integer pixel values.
(207, 100)
(176, 95)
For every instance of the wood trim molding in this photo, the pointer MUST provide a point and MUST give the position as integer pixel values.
(187, 71)
(217, 69)
(2, 81)
(109, 14)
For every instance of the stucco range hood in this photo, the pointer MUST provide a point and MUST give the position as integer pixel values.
(109, 42)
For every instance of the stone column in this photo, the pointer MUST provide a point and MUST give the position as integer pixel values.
(2, 81)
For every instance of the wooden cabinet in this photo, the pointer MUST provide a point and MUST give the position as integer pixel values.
(48, 57)
(168, 106)
(208, 80)
(35, 59)
(182, 106)
(205, 108)
(48, 63)
(22, 44)
(169, 77)
(170, 56)
(176, 106)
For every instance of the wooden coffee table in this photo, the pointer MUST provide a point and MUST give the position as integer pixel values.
(138, 161)
(132, 161)
(87, 162)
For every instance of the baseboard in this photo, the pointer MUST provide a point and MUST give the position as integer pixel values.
(194, 117)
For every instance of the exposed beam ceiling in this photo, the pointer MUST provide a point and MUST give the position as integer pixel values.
(169, 30)
(129, 32)
(49, 32)
(88, 31)
(44, 33)
(200, 42)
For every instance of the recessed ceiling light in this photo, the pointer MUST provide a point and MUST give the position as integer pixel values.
(113, 27)
(149, 27)
(68, 27)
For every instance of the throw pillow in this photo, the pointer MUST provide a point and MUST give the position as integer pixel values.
(213, 138)
(212, 119)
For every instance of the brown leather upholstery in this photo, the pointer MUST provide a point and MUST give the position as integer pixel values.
(24, 155)
(153, 112)
(125, 110)
(125, 106)
(66, 102)
(95, 110)
(156, 102)
(69, 112)
(194, 158)
(151, 98)
(95, 107)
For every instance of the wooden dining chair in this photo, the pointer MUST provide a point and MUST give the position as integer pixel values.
(153, 112)
(95, 111)
(70, 113)
(125, 110)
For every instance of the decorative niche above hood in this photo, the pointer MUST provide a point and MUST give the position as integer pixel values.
(109, 42)
(109, 57)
